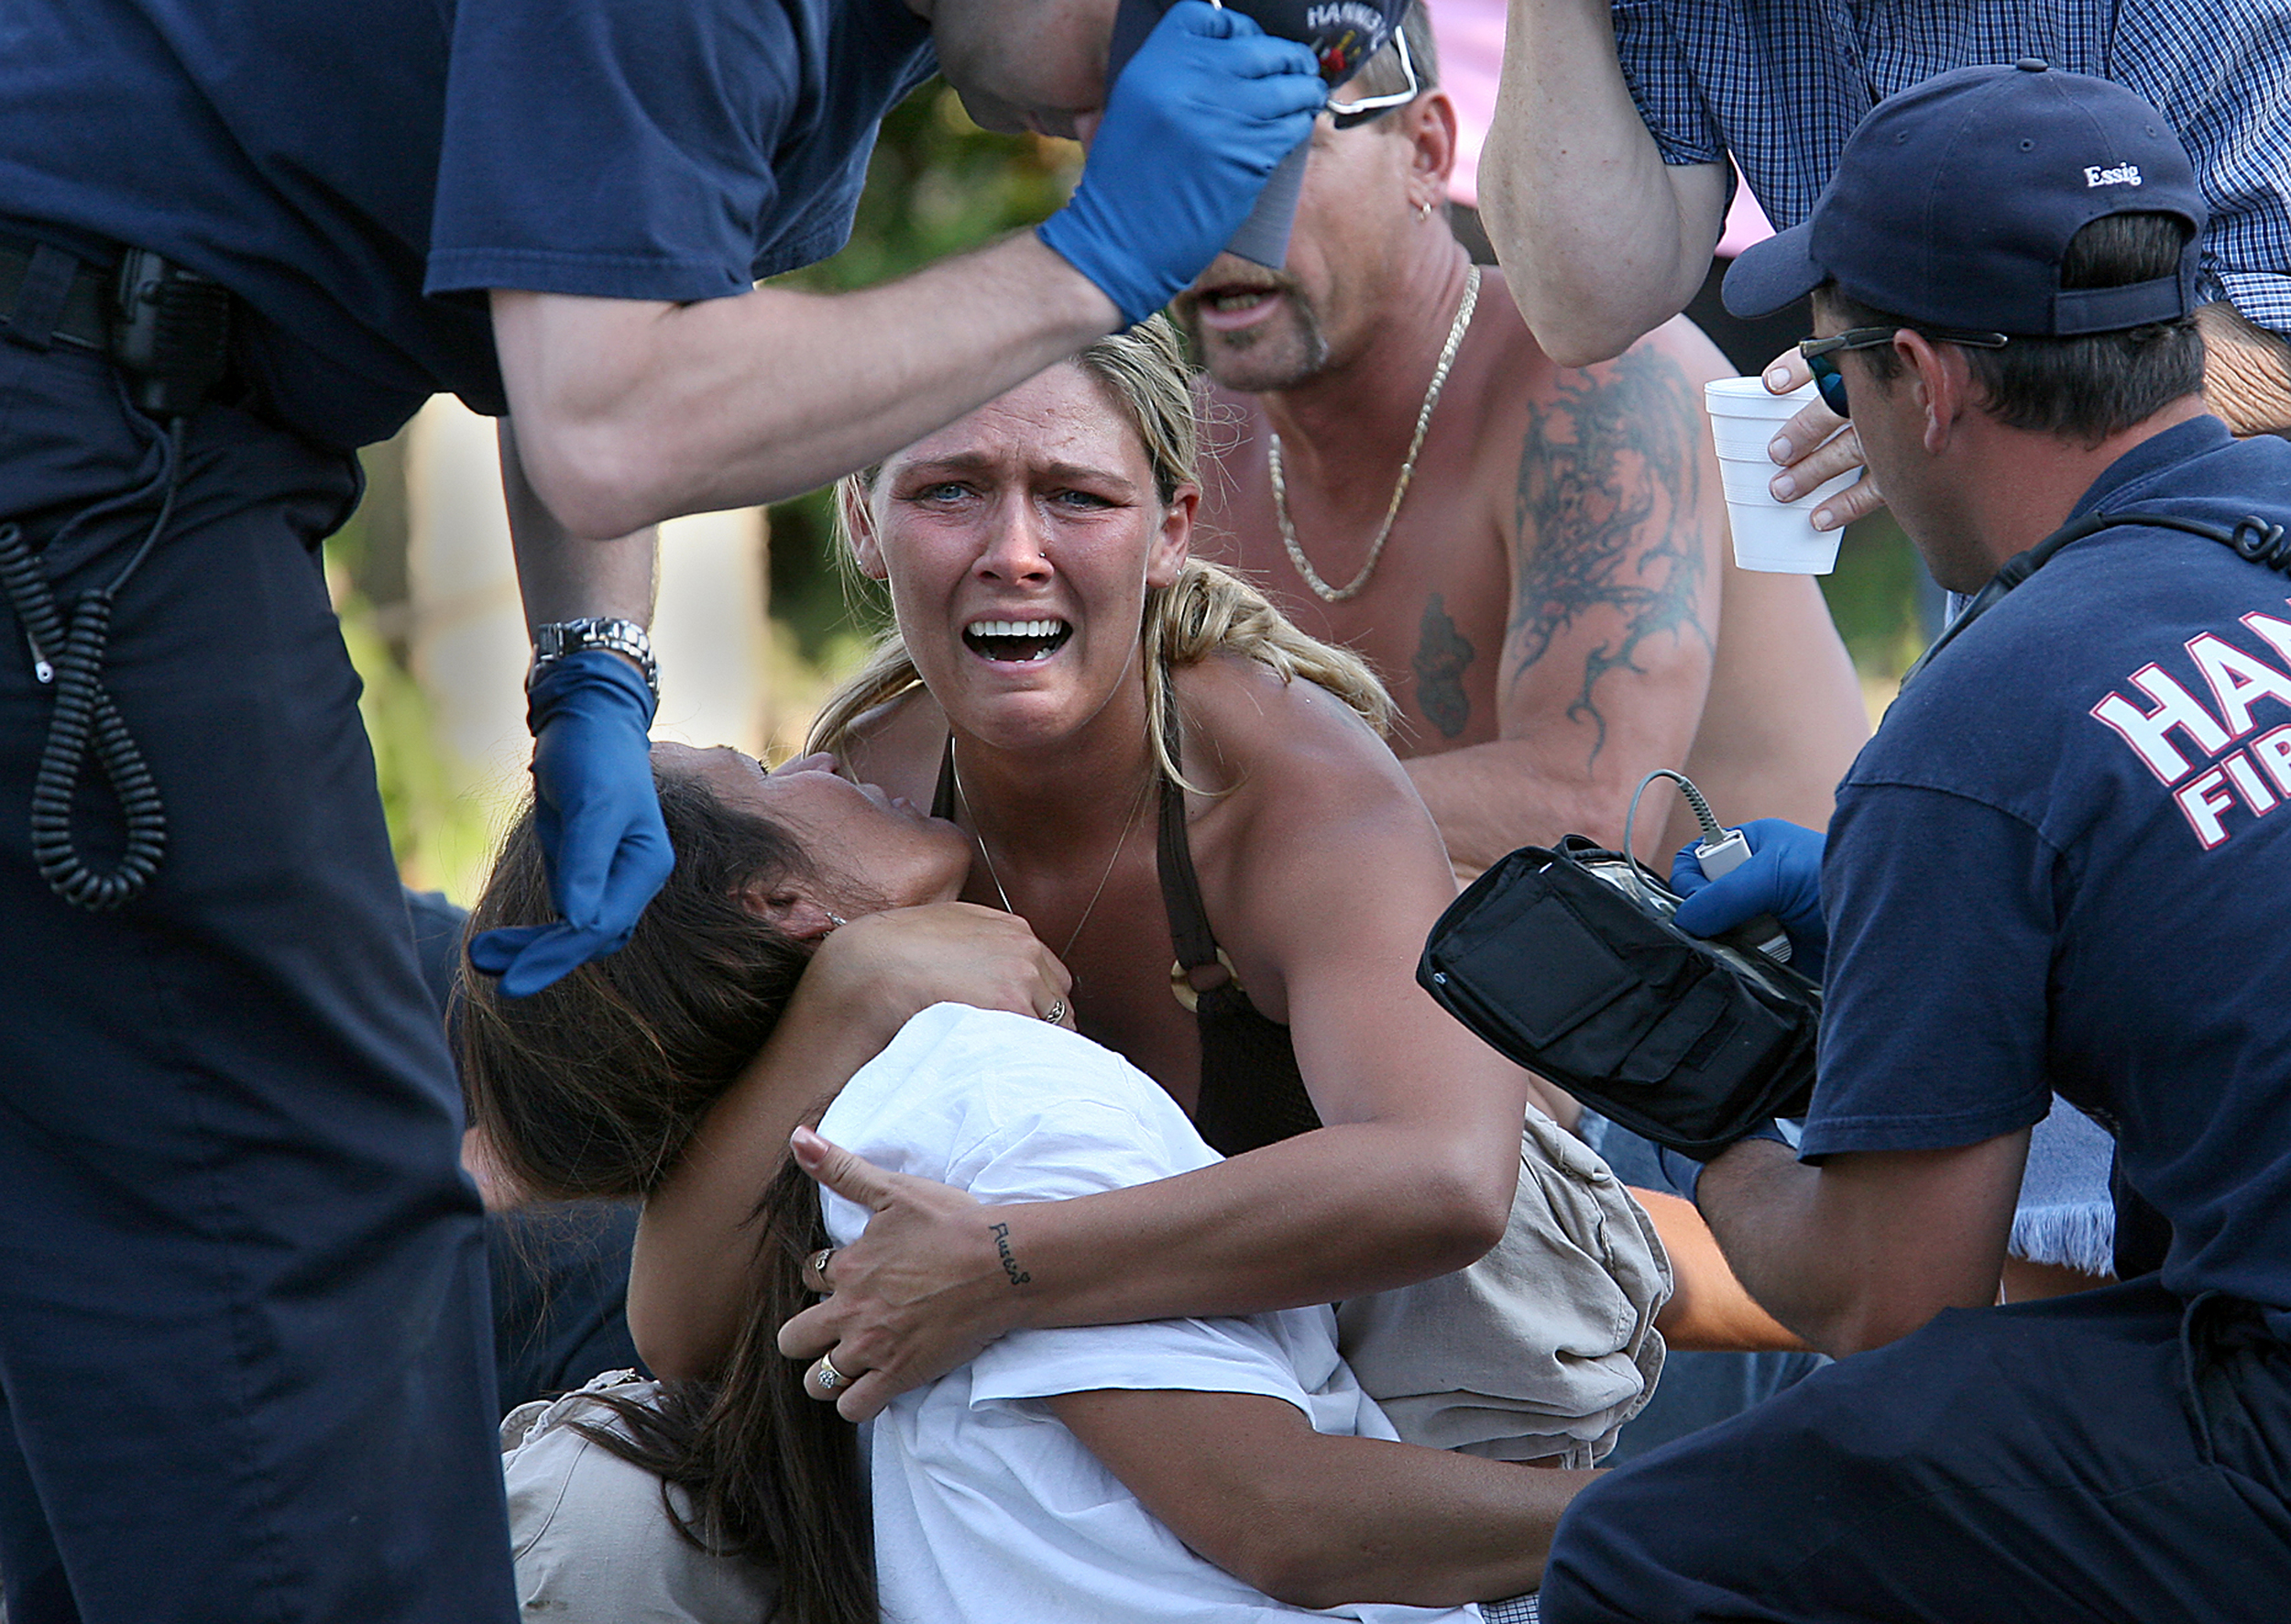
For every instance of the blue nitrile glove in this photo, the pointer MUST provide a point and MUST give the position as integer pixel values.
(597, 816)
(1198, 119)
(1782, 877)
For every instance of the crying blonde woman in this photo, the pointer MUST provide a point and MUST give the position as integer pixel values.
(1189, 801)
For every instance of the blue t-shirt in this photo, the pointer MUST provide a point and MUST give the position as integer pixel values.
(2058, 866)
(361, 173)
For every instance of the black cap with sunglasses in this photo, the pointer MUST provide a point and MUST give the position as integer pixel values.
(1952, 204)
(1342, 34)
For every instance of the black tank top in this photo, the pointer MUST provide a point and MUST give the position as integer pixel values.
(1251, 1093)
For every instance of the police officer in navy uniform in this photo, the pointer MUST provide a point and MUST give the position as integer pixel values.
(243, 1337)
(2060, 864)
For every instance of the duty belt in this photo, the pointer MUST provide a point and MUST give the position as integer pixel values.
(49, 297)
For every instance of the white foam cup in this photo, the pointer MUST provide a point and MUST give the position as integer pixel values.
(1742, 436)
(1779, 537)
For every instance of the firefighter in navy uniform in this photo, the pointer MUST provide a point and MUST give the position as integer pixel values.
(243, 1349)
(2060, 866)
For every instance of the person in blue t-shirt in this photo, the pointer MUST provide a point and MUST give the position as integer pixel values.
(243, 1342)
(2057, 866)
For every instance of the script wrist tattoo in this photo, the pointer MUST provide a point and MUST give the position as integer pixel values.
(1018, 1276)
(1609, 521)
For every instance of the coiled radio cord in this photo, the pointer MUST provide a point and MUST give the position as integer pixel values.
(71, 658)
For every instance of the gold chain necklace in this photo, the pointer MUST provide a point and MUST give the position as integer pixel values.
(1326, 593)
(977, 836)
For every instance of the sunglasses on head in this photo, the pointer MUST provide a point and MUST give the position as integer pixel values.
(1820, 353)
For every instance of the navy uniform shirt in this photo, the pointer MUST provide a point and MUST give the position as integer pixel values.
(2062, 865)
(361, 173)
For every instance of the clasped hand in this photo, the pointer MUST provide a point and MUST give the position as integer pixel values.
(1818, 451)
(924, 1288)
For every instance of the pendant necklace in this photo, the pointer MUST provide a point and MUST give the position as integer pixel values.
(1321, 590)
(977, 836)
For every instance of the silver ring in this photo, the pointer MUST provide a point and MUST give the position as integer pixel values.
(819, 1261)
(1057, 1011)
(830, 1377)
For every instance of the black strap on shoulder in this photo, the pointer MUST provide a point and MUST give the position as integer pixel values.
(1180, 888)
(2251, 537)
(943, 798)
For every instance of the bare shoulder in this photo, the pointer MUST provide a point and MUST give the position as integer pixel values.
(1311, 842)
(1530, 406)
(1250, 735)
(1507, 366)
(1686, 346)
(897, 744)
(1294, 775)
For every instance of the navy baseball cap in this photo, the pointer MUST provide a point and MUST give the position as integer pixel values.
(1342, 35)
(1954, 202)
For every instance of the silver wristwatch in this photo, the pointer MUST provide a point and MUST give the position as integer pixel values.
(560, 638)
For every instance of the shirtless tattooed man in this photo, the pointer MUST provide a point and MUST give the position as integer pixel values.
(1555, 606)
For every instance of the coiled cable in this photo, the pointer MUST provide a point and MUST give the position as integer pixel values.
(71, 658)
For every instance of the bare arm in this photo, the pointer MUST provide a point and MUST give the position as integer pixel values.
(1869, 1246)
(1616, 541)
(632, 411)
(1413, 1176)
(1316, 1520)
(1600, 240)
(861, 986)
(561, 576)
(2247, 372)
(1707, 1307)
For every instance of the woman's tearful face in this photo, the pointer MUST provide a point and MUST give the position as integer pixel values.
(1019, 543)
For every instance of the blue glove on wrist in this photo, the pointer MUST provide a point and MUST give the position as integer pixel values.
(1782, 877)
(1200, 116)
(597, 816)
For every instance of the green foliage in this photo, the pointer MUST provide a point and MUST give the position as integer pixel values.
(1875, 596)
(439, 836)
(938, 184)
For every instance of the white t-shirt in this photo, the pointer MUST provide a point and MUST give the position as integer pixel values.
(987, 1510)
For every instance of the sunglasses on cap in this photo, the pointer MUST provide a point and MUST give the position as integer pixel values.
(1351, 115)
(1819, 353)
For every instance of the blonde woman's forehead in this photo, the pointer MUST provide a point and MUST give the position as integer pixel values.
(1059, 417)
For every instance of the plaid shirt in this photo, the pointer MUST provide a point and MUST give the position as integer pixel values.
(1781, 84)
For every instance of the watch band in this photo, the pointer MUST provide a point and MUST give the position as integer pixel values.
(557, 639)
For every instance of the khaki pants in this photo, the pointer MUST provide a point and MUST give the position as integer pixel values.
(1543, 1348)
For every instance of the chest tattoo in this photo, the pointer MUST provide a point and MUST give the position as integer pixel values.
(1442, 654)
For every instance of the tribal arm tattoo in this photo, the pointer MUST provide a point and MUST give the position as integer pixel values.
(1608, 522)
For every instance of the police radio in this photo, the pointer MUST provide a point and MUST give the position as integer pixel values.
(170, 333)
